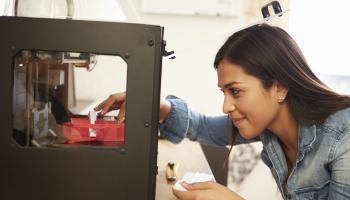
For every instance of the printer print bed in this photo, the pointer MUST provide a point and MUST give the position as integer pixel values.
(80, 130)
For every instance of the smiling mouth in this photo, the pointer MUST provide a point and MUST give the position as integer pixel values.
(237, 121)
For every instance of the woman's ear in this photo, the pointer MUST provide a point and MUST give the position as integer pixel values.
(281, 91)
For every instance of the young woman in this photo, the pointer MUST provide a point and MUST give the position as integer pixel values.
(270, 95)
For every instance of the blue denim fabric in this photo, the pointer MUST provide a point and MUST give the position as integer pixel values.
(322, 167)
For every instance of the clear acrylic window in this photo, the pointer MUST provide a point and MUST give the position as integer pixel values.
(53, 93)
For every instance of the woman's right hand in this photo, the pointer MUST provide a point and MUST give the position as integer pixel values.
(117, 102)
(113, 102)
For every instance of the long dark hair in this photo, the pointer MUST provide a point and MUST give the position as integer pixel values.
(270, 54)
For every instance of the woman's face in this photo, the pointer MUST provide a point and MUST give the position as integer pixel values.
(251, 107)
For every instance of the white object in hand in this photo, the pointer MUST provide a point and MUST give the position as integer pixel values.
(92, 116)
(193, 177)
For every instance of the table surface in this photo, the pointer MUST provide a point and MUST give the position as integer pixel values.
(190, 157)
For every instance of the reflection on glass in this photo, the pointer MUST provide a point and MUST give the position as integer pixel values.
(53, 93)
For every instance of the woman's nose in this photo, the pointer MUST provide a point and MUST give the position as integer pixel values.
(228, 105)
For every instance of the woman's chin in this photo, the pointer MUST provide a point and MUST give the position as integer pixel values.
(247, 135)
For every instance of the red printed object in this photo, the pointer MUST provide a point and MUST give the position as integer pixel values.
(77, 130)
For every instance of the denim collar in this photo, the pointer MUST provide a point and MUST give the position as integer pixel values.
(306, 137)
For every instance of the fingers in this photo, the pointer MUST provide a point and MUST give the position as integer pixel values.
(185, 195)
(194, 190)
(113, 102)
(107, 104)
(121, 114)
(99, 107)
(199, 185)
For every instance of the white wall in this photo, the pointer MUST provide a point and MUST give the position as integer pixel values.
(326, 44)
(107, 77)
(195, 41)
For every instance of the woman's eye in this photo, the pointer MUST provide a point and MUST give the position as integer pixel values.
(234, 91)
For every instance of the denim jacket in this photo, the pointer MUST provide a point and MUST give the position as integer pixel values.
(322, 166)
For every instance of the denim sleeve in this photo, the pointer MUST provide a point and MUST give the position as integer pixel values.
(183, 122)
(340, 167)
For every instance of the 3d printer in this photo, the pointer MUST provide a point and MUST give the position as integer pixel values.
(50, 151)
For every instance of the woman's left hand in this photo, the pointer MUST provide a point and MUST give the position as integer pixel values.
(206, 191)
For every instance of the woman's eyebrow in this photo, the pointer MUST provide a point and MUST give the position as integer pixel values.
(227, 85)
